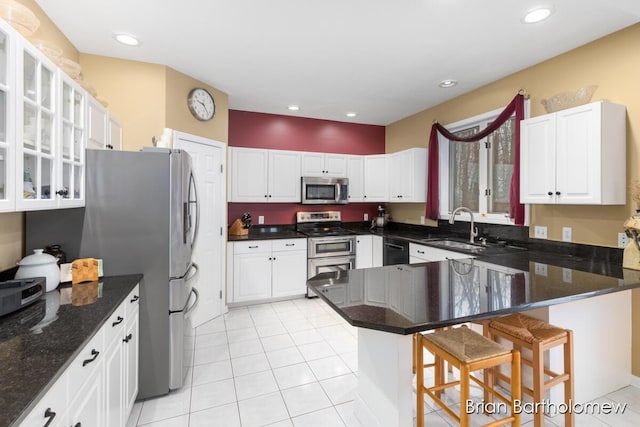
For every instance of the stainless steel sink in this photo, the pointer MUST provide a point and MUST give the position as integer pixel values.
(454, 244)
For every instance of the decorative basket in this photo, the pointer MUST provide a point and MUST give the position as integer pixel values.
(565, 100)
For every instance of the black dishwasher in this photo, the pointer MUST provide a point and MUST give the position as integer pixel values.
(396, 251)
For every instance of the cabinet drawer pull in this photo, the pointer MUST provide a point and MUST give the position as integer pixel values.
(48, 413)
(420, 252)
(63, 193)
(95, 354)
(290, 244)
(127, 338)
(117, 322)
(135, 298)
(253, 247)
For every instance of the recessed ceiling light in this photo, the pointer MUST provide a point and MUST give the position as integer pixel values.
(293, 108)
(448, 83)
(351, 114)
(536, 15)
(127, 39)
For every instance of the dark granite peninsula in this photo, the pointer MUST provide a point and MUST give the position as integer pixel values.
(390, 303)
(38, 343)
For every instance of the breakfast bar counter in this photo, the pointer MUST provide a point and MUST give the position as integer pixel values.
(390, 303)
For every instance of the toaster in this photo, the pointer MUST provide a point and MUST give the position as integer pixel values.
(19, 293)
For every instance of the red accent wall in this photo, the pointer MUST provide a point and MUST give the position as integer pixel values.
(273, 131)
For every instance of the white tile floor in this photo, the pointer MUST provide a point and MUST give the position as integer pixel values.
(292, 363)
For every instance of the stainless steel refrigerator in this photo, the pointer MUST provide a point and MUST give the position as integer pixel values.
(140, 217)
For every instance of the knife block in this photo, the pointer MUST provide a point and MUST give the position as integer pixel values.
(237, 229)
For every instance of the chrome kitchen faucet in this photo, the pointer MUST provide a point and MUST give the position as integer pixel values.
(474, 230)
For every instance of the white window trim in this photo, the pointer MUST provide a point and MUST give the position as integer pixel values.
(443, 151)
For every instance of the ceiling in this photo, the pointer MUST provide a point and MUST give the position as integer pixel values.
(380, 58)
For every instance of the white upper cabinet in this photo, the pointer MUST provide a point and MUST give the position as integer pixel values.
(324, 164)
(575, 156)
(264, 175)
(98, 123)
(355, 173)
(114, 133)
(375, 178)
(72, 138)
(37, 136)
(7, 119)
(408, 175)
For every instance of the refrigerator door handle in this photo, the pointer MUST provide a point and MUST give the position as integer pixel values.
(192, 181)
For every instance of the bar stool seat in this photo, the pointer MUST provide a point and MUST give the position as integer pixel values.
(468, 351)
(538, 336)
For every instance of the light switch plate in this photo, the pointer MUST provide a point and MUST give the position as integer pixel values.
(366, 217)
(540, 232)
(261, 219)
(540, 269)
(622, 240)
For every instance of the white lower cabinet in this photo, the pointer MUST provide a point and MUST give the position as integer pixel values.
(264, 269)
(368, 251)
(421, 253)
(100, 385)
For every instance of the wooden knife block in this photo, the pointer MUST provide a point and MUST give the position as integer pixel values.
(237, 229)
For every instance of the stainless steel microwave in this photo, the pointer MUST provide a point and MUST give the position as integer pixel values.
(324, 191)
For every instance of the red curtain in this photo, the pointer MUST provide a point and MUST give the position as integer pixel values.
(516, 210)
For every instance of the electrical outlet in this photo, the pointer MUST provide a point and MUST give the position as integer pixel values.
(421, 219)
(566, 275)
(366, 217)
(566, 234)
(540, 232)
(540, 269)
(261, 219)
(622, 240)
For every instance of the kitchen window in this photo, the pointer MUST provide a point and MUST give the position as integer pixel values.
(478, 174)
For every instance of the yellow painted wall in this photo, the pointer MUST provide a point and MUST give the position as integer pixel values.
(613, 63)
(135, 92)
(178, 117)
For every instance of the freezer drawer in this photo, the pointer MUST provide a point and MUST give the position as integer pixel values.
(181, 343)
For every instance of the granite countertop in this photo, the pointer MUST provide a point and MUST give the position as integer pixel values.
(405, 299)
(36, 346)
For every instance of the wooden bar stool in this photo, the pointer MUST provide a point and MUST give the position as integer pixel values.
(468, 351)
(537, 336)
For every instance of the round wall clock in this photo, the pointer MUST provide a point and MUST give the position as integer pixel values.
(201, 104)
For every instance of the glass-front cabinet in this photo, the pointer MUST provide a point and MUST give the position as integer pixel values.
(37, 133)
(73, 142)
(7, 119)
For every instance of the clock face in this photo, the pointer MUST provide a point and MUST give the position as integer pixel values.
(201, 104)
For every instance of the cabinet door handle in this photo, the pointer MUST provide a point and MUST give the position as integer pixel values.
(48, 413)
(62, 192)
(289, 244)
(127, 338)
(550, 193)
(135, 298)
(117, 322)
(253, 247)
(95, 354)
(557, 193)
(420, 252)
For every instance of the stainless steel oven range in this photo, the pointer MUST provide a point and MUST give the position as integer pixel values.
(329, 246)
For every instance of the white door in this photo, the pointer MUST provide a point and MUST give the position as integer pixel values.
(208, 158)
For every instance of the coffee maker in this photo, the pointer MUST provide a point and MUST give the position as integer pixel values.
(380, 220)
